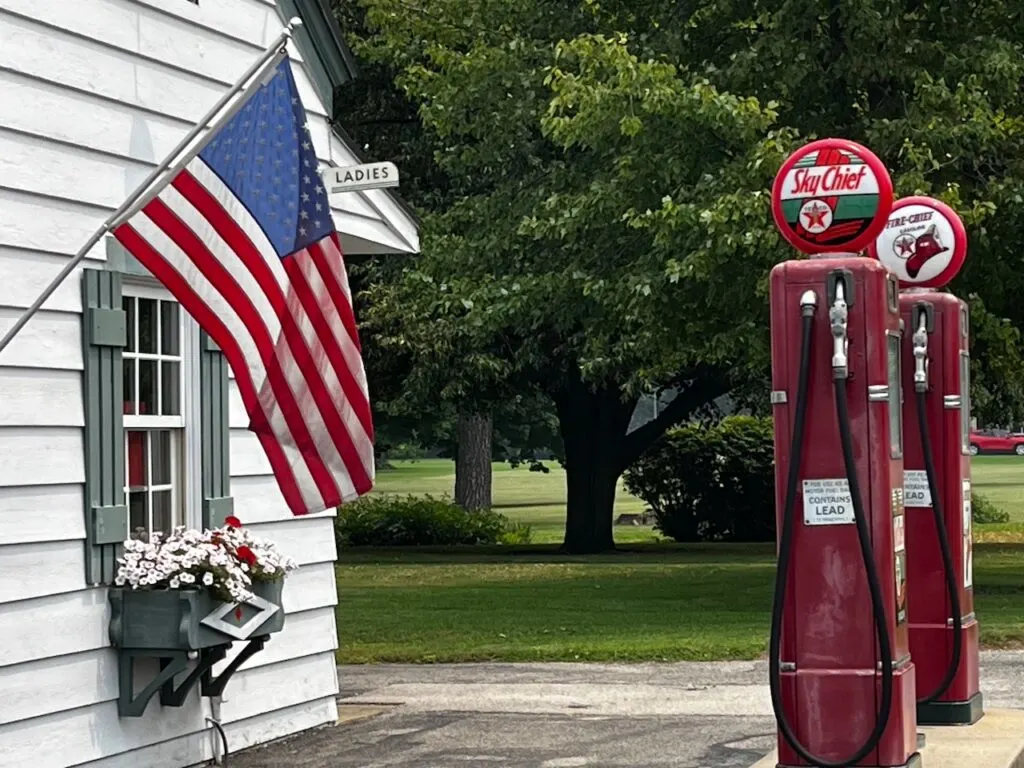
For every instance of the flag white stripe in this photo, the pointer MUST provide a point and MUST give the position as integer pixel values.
(326, 369)
(242, 218)
(331, 315)
(348, 344)
(361, 441)
(322, 435)
(334, 256)
(290, 369)
(179, 261)
(245, 221)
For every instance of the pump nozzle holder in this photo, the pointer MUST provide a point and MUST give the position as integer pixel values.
(838, 316)
(808, 303)
(920, 341)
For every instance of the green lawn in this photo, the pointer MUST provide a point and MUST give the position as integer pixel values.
(536, 498)
(665, 603)
(652, 602)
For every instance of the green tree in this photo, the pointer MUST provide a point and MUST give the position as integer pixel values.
(610, 230)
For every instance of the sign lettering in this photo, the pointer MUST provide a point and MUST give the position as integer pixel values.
(360, 177)
(915, 488)
(828, 502)
(834, 178)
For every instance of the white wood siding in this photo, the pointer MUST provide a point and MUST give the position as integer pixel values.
(94, 93)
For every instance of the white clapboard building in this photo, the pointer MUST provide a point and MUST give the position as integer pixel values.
(93, 94)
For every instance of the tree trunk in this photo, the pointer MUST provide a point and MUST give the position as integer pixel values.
(593, 425)
(473, 461)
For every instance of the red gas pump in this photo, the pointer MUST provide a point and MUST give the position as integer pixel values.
(841, 678)
(924, 246)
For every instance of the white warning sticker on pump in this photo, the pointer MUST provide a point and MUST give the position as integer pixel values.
(828, 502)
(916, 492)
(968, 536)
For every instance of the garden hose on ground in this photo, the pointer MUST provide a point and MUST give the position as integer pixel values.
(807, 307)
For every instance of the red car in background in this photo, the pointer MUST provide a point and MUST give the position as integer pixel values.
(997, 441)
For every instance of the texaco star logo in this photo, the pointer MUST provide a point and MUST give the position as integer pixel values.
(815, 216)
(903, 246)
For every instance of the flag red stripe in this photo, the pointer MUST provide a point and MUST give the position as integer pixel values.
(240, 243)
(321, 263)
(218, 276)
(328, 336)
(329, 272)
(191, 303)
(357, 472)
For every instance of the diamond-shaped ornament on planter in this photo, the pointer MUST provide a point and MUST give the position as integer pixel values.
(241, 620)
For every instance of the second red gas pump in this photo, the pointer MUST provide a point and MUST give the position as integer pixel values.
(841, 679)
(924, 245)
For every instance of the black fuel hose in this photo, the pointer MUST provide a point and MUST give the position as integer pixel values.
(785, 557)
(947, 553)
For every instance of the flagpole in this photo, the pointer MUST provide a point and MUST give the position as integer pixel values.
(270, 57)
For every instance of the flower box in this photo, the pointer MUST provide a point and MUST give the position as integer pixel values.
(173, 619)
(186, 597)
(197, 589)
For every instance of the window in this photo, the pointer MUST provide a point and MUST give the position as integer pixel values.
(154, 423)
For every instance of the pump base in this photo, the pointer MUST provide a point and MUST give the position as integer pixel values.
(951, 712)
(913, 762)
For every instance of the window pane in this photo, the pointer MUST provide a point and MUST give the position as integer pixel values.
(160, 445)
(162, 511)
(170, 403)
(147, 325)
(129, 385)
(136, 460)
(137, 514)
(147, 388)
(168, 328)
(128, 303)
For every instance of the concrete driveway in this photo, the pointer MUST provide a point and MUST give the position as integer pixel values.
(686, 715)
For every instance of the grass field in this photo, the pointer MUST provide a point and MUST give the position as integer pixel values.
(694, 603)
(537, 498)
(649, 602)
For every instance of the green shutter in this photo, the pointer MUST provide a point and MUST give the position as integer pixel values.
(104, 335)
(213, 376)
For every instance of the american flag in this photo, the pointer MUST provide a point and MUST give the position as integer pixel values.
(243, 238)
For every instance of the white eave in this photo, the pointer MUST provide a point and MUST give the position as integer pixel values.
(371, 222)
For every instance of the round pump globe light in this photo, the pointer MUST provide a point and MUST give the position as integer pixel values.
(924, 243)
(831, 196)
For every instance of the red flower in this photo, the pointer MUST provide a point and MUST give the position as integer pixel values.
(246, 556)
(232, 522)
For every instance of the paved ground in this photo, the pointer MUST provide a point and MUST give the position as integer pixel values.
(714, 715)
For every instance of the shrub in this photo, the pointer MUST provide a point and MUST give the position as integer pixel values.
(984, 511)
(710, 483)
(396, 521)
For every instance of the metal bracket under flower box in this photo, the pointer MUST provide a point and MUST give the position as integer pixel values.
(175, 627)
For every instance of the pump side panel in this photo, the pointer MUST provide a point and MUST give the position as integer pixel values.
(930, 608)
(828, 631)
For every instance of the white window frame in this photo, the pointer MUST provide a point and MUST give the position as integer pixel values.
(186, 448)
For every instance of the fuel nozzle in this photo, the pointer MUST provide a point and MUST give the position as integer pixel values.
(920, 340)
(838, 316)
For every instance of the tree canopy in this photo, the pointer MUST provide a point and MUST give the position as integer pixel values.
(604, 227)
